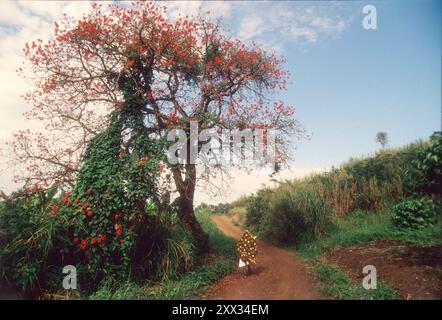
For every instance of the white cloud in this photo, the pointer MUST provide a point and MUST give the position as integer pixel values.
(307, 33)
(251, 27)
(328, 25)
(216, 8)
(272, 25)
(279, 24)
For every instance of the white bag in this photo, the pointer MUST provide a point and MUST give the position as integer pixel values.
(242, 263)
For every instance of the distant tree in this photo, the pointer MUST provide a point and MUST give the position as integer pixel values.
(382, 138)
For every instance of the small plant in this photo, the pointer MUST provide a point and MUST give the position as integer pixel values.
(414, 213)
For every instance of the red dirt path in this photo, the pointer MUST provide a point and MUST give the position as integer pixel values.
(278, 274)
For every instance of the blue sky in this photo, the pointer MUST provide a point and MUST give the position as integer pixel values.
(366, 81)
(348, 82)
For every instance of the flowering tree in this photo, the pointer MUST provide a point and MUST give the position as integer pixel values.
(177, 71)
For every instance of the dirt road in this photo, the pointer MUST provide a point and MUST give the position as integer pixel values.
(277, 275)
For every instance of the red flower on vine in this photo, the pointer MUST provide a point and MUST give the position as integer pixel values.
(101, 238)
(119, 228)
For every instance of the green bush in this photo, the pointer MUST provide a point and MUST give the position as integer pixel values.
(414, 213)
(257, 207)
(425, 174)
(298, 212)
(218, 209)
(35, 242)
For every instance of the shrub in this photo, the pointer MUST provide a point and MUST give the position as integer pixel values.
(414, 213)
(298, 212)
(36, 243)
(257, 206)
(218, 209)
(425, 174)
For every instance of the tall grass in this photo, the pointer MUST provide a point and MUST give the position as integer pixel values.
(297, 212)
(304, 209)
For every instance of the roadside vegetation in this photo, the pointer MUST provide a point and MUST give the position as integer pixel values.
(173, 284)
(220, 262)
(335, 284)
(394, 194)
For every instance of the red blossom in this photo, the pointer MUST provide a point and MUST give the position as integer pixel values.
(101, 238)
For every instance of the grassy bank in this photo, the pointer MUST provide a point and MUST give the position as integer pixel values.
(335, 284)
(208, 270)
(361, 227)
(356, 228)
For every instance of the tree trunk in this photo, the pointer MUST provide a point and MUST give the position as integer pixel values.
(186, 189)
(188, 216)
